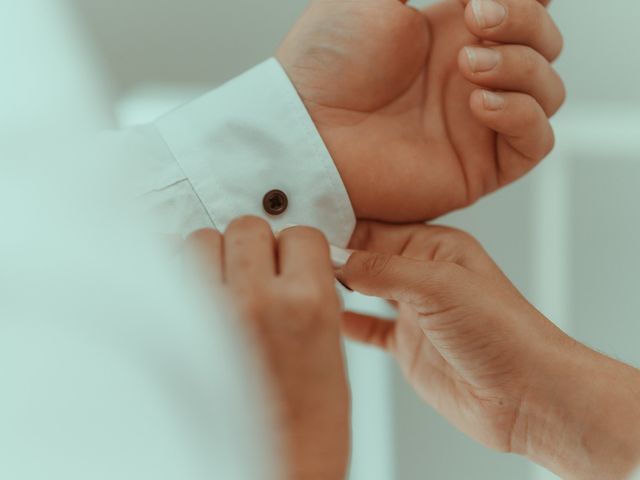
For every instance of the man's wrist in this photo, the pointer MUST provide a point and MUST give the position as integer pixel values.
(582, 420)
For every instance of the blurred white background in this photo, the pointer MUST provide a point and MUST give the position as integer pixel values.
(568, 235)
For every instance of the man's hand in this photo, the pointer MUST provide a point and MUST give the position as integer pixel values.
(482, 356)
(417, 124)
(284, 291)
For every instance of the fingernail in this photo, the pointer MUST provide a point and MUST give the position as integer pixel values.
(339, 256)
(488, 13)
(482, 59)
(345, 286)
(492, 101)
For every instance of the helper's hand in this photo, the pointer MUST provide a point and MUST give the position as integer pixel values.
(417, 124)
(482, 356)
(285, 291)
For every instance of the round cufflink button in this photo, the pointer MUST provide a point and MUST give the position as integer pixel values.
(275, 202)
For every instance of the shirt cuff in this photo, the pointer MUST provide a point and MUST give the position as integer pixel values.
(252, 136)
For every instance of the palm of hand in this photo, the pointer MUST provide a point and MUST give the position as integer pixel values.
(387, 75)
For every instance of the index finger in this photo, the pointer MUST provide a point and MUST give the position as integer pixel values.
(432, 243)
(426, 243)
(522, 22)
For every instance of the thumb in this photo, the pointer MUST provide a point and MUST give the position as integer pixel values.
(470, 326)
(428, 286)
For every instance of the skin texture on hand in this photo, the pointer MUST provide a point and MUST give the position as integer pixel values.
(488, 361)
(284, 291)
(459, 335)
(411, 117)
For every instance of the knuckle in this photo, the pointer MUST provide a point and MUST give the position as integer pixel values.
(529, 114)
(308, 295)
(544, 147)
(469, 242)
(558, 47)
(527, 17)
(376, 264)
(291, 312)
(548, 145)
(463, 238)
(458, 237)
(442, 245)
(456, 245)
(559, 97)
(534, 24)
(449, 276)
(563, 91)
(306, 304)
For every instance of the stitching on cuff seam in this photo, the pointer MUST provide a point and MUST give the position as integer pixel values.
(186, 177)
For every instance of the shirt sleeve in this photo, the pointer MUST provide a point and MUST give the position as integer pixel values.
(224, 152)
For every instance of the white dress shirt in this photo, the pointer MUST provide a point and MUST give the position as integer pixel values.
(108, 367)
(217, 157)
(112, 365)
